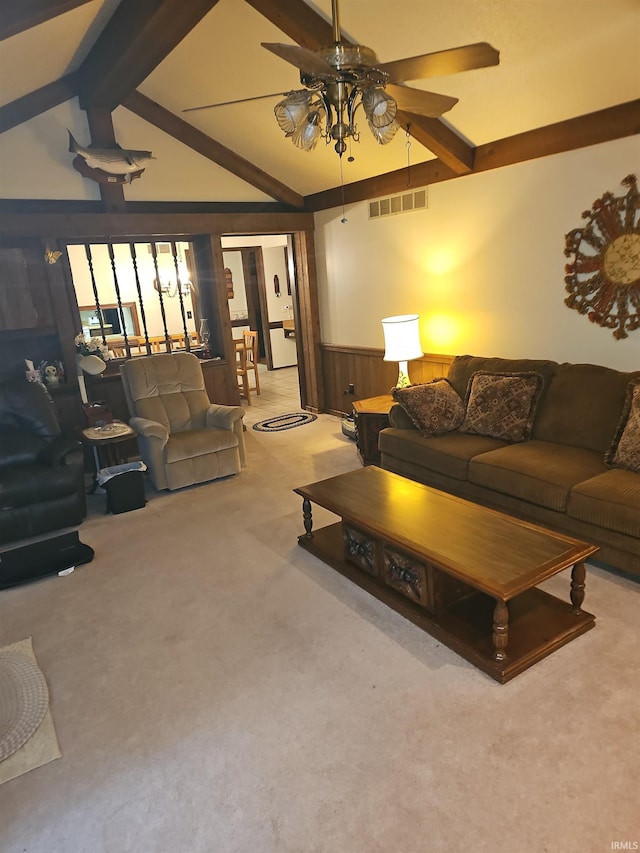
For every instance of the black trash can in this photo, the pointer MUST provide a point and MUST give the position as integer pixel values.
(124, 485)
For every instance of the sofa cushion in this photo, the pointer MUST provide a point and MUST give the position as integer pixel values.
(447, 454)
(464, 366)
(434, 407)
(625, 448)
(502, 405)
(399, 419)
(609, 500)
(582, 406)
(539, 472)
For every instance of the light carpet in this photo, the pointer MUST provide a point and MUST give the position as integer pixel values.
(217, 689)
(41, 746)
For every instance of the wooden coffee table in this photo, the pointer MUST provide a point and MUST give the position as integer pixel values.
(465, 574)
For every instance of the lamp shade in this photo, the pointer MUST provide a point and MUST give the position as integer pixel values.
(91, 364)
(401, 337)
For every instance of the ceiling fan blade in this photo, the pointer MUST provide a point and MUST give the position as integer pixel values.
(306, 60)
(229, 103)
(441, 63)
(419, 102)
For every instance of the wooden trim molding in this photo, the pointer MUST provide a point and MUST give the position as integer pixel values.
(82, 225)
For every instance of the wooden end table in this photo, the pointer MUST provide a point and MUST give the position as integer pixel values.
(463, 573)
(371, 416)
(107, 440)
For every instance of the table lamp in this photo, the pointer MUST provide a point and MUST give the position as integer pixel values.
(94, 366)
(402, 343)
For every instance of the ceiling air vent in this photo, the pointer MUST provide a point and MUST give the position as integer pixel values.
(398, 204)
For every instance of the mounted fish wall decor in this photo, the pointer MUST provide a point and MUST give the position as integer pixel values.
(109, 165)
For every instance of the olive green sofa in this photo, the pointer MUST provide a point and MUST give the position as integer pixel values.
(558, 477)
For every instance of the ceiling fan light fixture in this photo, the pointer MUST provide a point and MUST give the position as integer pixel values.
(379, 107)
(341, 76)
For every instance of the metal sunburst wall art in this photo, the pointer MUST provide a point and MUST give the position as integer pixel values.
(603, 277)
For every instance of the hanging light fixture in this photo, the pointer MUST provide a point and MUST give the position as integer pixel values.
(343, 78)
(328, 112)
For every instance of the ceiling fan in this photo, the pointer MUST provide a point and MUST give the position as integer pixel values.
(341, 77)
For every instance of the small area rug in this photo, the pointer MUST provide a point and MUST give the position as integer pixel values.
(280, 422)
(27, 735)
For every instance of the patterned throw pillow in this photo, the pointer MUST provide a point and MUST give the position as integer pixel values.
(502, 405)
(434, 407)
(625, 448)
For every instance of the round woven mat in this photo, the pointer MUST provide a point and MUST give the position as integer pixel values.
(24, 699)
(280, 422)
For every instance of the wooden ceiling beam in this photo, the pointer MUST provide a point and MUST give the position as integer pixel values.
(136, 39)
(189, 135)
(436, 135)
(103, 136)
(580, 132)
(38, 101)
(19, 15)
(311, 30)
(591, 129)
(297, 20)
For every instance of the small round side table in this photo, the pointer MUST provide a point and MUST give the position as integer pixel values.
(105, 441)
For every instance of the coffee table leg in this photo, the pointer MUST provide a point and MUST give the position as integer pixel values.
(500, 629)
(578, 575)
(307, 518)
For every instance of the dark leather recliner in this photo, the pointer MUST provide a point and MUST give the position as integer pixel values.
(41, 473)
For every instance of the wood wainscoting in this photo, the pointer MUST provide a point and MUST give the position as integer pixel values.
(370, 376)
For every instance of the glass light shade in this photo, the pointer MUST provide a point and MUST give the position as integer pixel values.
(379, 107)
(307, 134)
(383, 135)
(292, 110)
(402, 343)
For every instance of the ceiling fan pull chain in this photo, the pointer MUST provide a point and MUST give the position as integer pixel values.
(408, 145)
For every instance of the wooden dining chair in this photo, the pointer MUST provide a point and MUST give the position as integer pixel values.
(246, 362)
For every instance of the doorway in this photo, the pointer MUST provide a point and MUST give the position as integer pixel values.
(261, 292)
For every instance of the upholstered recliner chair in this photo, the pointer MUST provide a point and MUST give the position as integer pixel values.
(41, 472)
(183, 438)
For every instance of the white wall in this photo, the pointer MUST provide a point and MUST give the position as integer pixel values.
(483, 265)
(35, 162)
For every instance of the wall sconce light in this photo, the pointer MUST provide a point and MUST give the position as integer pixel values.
(402, 343)
(168, 288)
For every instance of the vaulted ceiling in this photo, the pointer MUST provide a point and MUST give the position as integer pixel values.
(568, 76)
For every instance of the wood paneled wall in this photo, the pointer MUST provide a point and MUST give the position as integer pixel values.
(369, 374)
